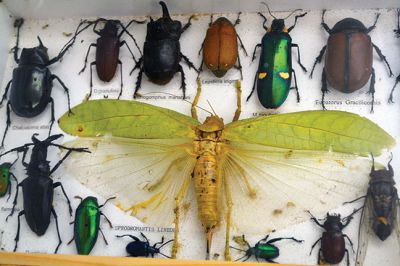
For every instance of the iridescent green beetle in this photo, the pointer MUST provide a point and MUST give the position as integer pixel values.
(274, 73)
(5, 174)
(87, 224)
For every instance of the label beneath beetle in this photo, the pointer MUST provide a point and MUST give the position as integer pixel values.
(348, 102)
(30, 127)
(143, 229)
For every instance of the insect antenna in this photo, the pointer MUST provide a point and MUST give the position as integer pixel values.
(211, 107)
(269, 11)
(107, 201)
(293, 13)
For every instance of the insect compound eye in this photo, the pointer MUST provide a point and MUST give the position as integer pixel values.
(262, 75)
(284, 75)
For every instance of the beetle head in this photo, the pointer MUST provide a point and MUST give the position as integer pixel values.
(36, 55)
(333, 222)
(349, 24)
(278, 25)
(166, 16)
(110, 28)
(382, 174)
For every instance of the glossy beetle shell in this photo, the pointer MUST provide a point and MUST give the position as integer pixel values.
(107, 54)
(220, 49)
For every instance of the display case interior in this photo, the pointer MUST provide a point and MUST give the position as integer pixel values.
(56, 23)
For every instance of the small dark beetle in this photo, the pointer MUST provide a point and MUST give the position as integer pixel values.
(38, 187)
(266, 250)
(348, 60)
(220, 48)
(107, 50)
(139, 248)
(397, 32)
(380, 211)
(87, 224)
(32, 81)
(333, 246)
(162, 51)
(274, 73)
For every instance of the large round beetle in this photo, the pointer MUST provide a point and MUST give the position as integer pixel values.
(348, 60)
(274, 73)
(162, 51)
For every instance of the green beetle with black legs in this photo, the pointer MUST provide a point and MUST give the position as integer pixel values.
(274, 73)
(266, 250)
(87, 224)
(5, 179)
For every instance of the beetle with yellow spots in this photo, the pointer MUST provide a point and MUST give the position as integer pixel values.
(274, 72)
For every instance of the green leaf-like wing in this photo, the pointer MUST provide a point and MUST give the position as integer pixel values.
(313, 130)
(128, 119)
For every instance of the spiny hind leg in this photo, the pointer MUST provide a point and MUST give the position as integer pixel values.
(238, 100)
(178, 200)
(196, 100)
(229, 204)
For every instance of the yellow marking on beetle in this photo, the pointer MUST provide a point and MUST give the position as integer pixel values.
(143, 204)
(262, 75)
(284, 75)
(382, 220)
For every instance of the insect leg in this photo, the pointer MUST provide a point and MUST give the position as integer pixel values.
(324, 88)
(318, 59)
(372, 89)
(229, 204)
(298, 58)
(312, 247)
(351, 243)
(125, 29)
(373, 26)
(295, 85)
(104, 238)
(295, 21)
(211, 20)
(65, 90)
(283, 238)
(183, 84)
(8, 123)
(73, 238)
(315, 220)
(390, 100)
(122, 83)
(138, 80)
(52, 118)
(18, 229)
(383, 58)
(108, 220)
(200, 68)
(264, 22)
(237, 22)
(86, 57)
(178, 199)
(58, 184)
(5, 93)
(324, 25)
(254, 87)
(190, 64)
(196, 100)
(239, 67)
(238, 101)
(137, 65)
(9, 190)
(131, 236)
(58, 230)
(15, 200)
(17, 23)
(347, 256)
(91, 80)
(124, 42)
(254, 52)
(398, 23)
(187, 24)
(241, 44)
(201, 48)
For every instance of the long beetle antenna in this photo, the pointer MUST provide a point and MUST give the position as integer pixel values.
(211, 107)
(269, 11)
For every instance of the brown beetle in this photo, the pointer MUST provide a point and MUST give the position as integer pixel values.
(220, 47)
(348, 61)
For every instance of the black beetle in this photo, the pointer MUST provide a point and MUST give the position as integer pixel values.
(107, 50)
(162, 51)
(32, 81)
(397, 32)
(38, 187)
(380, 211)
(138, 248)
(333, 246)
(348, 61)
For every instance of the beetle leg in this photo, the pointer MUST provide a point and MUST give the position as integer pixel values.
(372, 89)
(374, 26)
(131, 236)
(8, 123)
(295, 85)
(138, 81)
(190, 64)
(58, 230)
(58, 184)
(254, 86)
(313, 246)
(200, 68)
(65, 90)
(71, 239)
(239, 67)
(201, 48)
(295, 21)
(211, 20)
(104, 238)
(183, 84)
(383, 58)
(196, 100)
(264, 22)
(91, 80)
(18, 229)
(270, 261)
(254, 52)
(5, 92)
(126, 44)
(125, 29)
(318, 59)
(86, 57)
(390, 100)
(15, 200)
(351, 243)
(108, 220)
(229, 204)
(238, 101)
(9, 189)
(298, 58)
(187, 24)
(241, 44)
(324, 25)
(237, 20)
(137, 65)
(324, 88)
(347, 256)
(284, 238)
(52, 119)
(122, 83)
(315, 220)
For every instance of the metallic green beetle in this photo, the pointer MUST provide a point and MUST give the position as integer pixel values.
(274, 72)
(87, 224)
(5, 175)
(265, 251)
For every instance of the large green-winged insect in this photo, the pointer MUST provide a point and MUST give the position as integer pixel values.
(255, 174)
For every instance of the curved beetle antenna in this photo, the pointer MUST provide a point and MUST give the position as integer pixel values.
(390, 168)
(211, 107)
(107, 201)
(269, 11)
(165, 10)
(293, 13)
(373, 163)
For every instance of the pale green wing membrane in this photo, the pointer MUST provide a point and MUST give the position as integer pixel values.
(312, 130)
(128, 119)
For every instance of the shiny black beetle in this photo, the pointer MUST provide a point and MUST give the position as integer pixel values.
(138, 248)
(333, 246)
(162, 51)
(32, 81)
(38, 187)
(107, 50)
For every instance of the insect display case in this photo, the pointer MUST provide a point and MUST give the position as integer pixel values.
(277, 169)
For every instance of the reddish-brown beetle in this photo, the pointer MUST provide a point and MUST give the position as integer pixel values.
(348, 61)
(220, 47)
